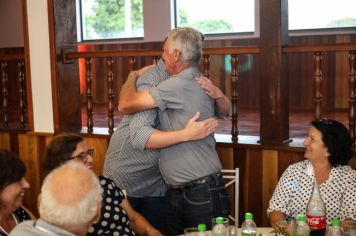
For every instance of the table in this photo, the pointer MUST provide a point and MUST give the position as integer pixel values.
(261, 231)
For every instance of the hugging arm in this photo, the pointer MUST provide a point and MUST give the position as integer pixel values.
(223, 104)
(131, 100)
(194, 130)
(143, 135)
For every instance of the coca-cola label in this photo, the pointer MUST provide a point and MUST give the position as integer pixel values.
(316, 222)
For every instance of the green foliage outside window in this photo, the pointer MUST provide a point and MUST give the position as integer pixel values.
(106, 19)
(206, 26)
(347, 22)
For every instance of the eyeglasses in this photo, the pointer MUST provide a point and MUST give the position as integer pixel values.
(83, 155)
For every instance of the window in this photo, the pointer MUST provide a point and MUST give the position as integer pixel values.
(216, 17)
(321, 14)
(111, 19)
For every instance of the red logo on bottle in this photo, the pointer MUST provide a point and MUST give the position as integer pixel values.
(316, 222)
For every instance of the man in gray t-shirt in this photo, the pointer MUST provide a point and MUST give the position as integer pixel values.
(191, 169)
(134, 167)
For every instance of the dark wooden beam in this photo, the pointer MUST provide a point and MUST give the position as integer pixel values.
(65, 78)
(274, 92)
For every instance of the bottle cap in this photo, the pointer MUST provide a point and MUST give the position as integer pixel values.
(219, 220)
(201, 227)
(335, 222)
(248, 216)
(301, 217)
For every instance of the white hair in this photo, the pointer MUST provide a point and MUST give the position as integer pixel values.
(189, 42)
(70, 196)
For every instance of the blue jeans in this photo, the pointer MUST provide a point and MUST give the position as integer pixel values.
(188, 207)
(151, 208)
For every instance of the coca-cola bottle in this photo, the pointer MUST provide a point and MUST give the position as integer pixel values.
(316, 212)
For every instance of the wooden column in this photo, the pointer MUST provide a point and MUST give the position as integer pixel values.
(274, 92)
(65, 77)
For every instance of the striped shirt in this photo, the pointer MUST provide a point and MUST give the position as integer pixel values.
(127, 162)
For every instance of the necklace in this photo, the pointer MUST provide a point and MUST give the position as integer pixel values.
(16, 222)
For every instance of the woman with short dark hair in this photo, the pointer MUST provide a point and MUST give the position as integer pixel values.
(12, 189)
(328, 151)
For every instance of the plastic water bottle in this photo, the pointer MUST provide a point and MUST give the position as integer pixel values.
(302, 226)
(334, 229)
(248, 227)
(219, 228)
(201, 229)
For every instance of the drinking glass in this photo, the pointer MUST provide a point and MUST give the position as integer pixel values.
(286, 227)
(349, 228)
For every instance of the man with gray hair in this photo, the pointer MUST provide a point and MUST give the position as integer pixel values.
(70, 201)
(191, 169)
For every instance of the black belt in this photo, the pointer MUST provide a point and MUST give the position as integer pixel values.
(198, 181)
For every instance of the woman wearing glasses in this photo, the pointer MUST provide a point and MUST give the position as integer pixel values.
(117, 215)
(12, 190)
(328, 151)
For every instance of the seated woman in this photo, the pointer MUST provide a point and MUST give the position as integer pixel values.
(12, 189)
(328, 151)
(117, 215)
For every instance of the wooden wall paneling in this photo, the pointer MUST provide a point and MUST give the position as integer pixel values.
(352, 163)
(31, 151)
(286, 158)
(252, 185)
(5, 141)
(341, 75)
(14, 142)
(100, 145)
(226, 155)
(269, 179)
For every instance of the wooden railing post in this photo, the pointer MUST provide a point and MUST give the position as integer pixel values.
(89, 95)
(234, 98)
(154, 60)
(22, 93)
(352, 97)
(5, 92)
(131, 65)
(110, 80)
(206, 65)
(318, 76)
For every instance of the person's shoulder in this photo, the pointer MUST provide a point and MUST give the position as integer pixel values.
(152, 77)
(346, 172)
(24, 228)
(105, 181)
(110, 184)
(301, 165)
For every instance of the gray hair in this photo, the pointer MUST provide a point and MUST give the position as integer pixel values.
(189, 42)
(70, 195)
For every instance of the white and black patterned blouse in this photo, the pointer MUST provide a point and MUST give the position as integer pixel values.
(114, 219)
(21, 215)
(294, 189)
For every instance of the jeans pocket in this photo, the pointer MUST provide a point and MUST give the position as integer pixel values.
(199, 195)
(221, 200)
